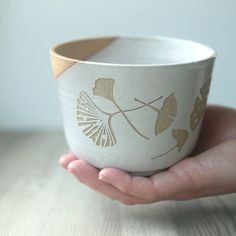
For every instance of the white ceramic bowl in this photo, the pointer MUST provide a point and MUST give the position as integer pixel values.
(132, 103)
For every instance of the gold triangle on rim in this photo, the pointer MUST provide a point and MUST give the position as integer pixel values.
(59, 65)
(78, 50)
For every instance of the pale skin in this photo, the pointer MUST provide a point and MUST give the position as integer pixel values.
(209, 171)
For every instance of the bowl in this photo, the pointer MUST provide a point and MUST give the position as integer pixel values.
(133, 103)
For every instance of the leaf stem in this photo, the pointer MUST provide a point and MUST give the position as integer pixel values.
(139, 107)
(130, 123)
(147, 104)
(161, 155)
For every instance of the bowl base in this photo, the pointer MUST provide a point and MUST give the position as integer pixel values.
(146, 173)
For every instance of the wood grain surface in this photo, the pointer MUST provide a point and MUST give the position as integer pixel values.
(38, 197)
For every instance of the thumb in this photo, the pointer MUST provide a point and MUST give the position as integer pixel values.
(209, 173)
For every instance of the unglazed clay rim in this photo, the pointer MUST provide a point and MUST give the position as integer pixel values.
(213, 54)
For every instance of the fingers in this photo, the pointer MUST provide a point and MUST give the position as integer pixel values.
(89, 176)
(138, 186)
(179, 182)
(207, 174)
(66, 159)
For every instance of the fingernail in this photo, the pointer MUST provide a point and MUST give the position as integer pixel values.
(61, 163)
(74, 172)
(103, 178)
(71, 169)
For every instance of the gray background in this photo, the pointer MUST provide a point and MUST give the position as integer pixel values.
(28, 28)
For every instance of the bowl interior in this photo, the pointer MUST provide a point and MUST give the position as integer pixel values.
(135, 51)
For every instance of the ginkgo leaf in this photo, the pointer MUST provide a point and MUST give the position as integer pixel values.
(104, 88)
(95, 124)
(199, 106)
(197, 113)
(166, 114)
(170, 106)
(204, 91)
(163, 122)
(180, 136)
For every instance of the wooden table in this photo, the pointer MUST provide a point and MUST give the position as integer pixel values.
(38, 197)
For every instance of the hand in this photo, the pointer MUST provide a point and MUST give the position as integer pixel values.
(211, 170)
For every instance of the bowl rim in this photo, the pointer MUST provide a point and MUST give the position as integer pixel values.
(205, 60)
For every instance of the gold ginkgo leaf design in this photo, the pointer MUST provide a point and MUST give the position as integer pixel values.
(204, 91)
(197, 113)
(96, 124)
(166, 114)
(180, 136)
(104, 88)
(199, 106)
